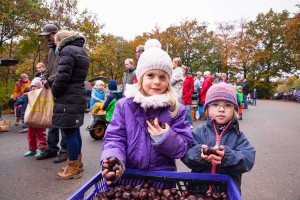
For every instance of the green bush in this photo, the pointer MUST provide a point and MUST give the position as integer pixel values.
(5, 94)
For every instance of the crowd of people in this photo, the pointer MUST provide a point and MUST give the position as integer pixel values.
(150, 116)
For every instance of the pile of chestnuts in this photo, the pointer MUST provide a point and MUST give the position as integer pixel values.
(112, 166)
(146, 192)
(211, 150)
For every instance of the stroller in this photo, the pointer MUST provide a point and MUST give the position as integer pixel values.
(99, 124)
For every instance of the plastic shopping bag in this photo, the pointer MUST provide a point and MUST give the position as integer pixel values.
(39, 110)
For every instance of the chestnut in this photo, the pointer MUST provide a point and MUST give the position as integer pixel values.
(146, 185)
(192, 197)
(208, 194)
(135, 194)
(126, 195)
(110, 194)
(216, 195)
(144, 194)
(173, 191)
(166, 192)
(186, 193)
(110, 176)
(118, 194)
(211, 150)
(106, 166)
(112, 161)
(115, 168)
(159, 191)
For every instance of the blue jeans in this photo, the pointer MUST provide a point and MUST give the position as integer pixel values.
(189, 114)
(245, 101)
(74, 142)
(53, 139)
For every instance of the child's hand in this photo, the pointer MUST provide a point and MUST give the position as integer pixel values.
(155, 129)
(213, 159)
(105, 171)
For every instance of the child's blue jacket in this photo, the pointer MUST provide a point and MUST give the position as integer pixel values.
(22, 100)
(239, 154)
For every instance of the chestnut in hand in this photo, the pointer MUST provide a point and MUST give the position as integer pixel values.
(211, 150)
(161, 124)
(112, 165)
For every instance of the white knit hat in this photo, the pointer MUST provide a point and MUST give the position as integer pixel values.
(36, 82)
(154, 58)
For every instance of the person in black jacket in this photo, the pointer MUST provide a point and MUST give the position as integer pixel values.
(60, 154)
(69, 94)
(245, 92)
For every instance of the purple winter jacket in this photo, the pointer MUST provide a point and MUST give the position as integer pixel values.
(127, 137)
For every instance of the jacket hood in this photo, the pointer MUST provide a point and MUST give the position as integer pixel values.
(154, 101)
(77, 40)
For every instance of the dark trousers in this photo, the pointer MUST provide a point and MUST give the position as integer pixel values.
(74, 142)
(53, 139)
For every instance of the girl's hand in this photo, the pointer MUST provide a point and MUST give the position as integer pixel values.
(155, 129)
(214, 159)
(105, 171)
(205, 157)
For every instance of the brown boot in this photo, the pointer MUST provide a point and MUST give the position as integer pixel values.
(17, 121)
(80, 164)
(71, 171)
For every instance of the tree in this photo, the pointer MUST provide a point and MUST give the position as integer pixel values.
(17, 17)
(271, 57)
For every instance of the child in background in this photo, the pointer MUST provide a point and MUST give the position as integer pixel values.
(98, 93)
(37, 138)
(112, 98)
(148, 130)
(235, 155)
(42, 71)
(240, 100)
(20, 85)
(23, 101)
(254, 97)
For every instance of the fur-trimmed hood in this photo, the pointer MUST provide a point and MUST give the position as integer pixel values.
(77, 40)
(155, 101)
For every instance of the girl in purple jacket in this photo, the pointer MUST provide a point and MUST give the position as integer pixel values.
(148, 130)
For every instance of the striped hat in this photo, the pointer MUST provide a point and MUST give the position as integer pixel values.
(221, 92)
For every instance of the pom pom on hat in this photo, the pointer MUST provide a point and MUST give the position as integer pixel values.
(112, 85)
(154, 58)
(152, 43)
(36, 82)
(221, 92)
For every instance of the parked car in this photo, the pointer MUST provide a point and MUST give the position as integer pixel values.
(296, 96)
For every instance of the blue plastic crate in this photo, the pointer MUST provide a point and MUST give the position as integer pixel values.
(160, 179)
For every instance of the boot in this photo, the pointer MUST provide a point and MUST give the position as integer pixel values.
(17, 121)
(80, 164)
(240, 116)
(71, 171)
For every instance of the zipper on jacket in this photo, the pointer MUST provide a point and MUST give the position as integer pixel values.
(218, 140)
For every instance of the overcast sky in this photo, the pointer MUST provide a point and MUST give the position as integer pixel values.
(128, 18)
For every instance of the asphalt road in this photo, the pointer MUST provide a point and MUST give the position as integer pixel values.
(273, 127)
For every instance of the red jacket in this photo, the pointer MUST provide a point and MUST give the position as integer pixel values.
(187, 90)
(205, 86)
